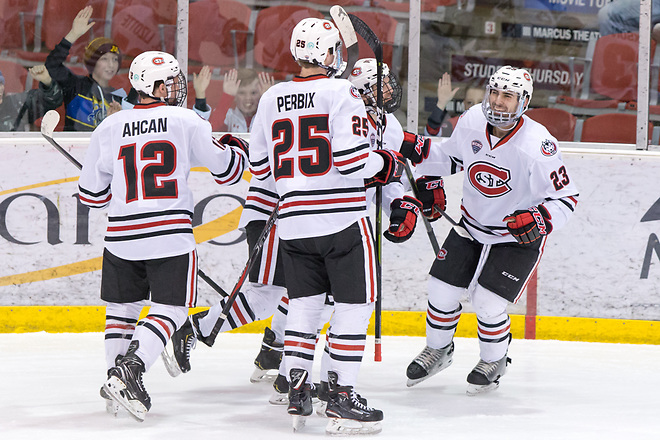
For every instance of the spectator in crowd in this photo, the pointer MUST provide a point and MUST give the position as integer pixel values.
(18, 110)
(620, 16)
(88, 99)
(438, 123)
(241, 91)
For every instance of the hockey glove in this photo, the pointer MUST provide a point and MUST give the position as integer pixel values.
(529, 225)
(415, 147)
(234, 141)
(402, 219)
(431, 193)
(391, 172)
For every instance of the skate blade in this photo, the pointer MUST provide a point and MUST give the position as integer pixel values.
(352, 427)
(473, 390)
(116, 389)
(171, 365)
(279, 398)
(320, 409)
(111, 407)
(433, 372)
(259, 375)
(298, 422)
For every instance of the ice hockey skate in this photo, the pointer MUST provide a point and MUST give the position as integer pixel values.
(348, 411)
(485, 376)
(268, 360)
(280, 394)
(429, 362)
(183, 342)
(124, 385)
(300, 398)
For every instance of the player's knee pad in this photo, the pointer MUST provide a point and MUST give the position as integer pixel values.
(487, 305)
(177, 314)
(305, 313)
(444, 296)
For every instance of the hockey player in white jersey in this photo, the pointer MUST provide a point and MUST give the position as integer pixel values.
(516, 191)
(138, 163)
(400, 208)
(308, 137)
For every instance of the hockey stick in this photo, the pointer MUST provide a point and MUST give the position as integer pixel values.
(427, 224)
(364, 31)
(345, 27)
(48, 124)
(210, 340)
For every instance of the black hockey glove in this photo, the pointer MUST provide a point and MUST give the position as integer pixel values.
(529, 225)
(234, 141)
(415, 147)
(431, 193)
(402, 219)
(392, 169)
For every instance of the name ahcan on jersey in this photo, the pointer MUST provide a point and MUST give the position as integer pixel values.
(146, 126)
(296, 101)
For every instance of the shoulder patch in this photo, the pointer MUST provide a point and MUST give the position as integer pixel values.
(548, 148)
(355, 93)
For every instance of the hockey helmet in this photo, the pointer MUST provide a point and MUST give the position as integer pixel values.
(364, 77)
(313, 39)
(153, 66)
(508, 79)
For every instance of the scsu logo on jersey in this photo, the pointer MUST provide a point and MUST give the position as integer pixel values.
(489, 180)
(355, 93)
(548, 148)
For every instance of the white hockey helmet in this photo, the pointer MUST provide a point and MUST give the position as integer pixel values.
(311, 41)
(150, 67)
(364, 77)
(509, 79)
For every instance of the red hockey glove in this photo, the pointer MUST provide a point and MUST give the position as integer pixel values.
(529, 225)
(234, 141)
(431, 193)
(392, 169)
(402, 219)
(415, 147)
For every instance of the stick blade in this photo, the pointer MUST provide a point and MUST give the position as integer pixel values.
(344, 25)
(49, 122)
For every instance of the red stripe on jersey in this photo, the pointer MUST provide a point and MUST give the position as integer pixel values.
(268, 203)
(237, 170)
(163, 325)
(307, 345)
(269, 253)
(285, 299)
(120, 326)
(370, 250)
(437, 318)
(149, 225)
(345, 347)
(351, 161)
(323, 202)
(193, 279)
(261, 171)
(239, 314)
(496, 332)
(94, 202)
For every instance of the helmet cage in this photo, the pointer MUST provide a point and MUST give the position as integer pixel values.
(177, 90)
(508, 79)
(364, 78)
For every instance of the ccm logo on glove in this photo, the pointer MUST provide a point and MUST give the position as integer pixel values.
(402, 219)
(529, 225)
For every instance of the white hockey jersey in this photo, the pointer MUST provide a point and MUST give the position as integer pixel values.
(138, 162)
(308, 134)
(521, 170)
